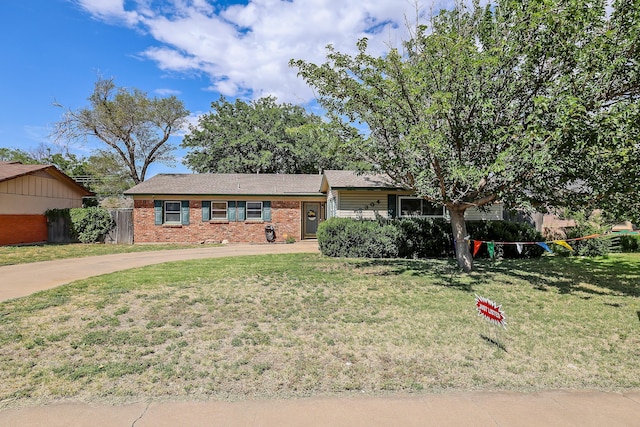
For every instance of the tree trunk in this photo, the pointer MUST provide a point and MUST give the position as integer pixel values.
(459, 229)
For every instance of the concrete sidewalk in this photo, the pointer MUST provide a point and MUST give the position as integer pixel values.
(25, 279)
(553, 408)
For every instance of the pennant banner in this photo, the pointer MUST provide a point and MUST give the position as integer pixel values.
(563, 243)
(477, 244)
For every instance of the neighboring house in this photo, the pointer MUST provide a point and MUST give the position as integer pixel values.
(238, 207)
(26, 192)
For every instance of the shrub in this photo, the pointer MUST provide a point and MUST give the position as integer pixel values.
(629, 243)
(424, 238)
(588, 247)
(506, 231)
(346, 237)
(89, 225)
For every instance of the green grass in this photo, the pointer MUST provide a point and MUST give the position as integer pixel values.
(305, 325)
(33, 253)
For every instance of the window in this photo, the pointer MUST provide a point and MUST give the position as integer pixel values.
(254, 210)
(412, 206)
(218, 210)
(172, 212)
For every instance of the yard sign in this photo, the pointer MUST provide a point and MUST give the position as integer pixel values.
(490, 311)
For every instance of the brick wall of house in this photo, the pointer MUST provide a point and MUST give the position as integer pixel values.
(17, 229)
(285, 217)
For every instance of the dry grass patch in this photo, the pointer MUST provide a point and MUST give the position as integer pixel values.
(303, 325)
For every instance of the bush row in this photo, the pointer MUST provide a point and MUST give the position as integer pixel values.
(418, 238)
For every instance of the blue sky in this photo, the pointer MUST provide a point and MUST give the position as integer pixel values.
(54, 50)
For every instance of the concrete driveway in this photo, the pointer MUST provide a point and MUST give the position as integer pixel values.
(25, 279)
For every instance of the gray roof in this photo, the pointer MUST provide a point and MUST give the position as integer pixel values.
(351, 180)
(230, 184)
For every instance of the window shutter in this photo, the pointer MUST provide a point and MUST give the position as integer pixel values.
(157, 211)
(266, 211)
(241, 209)
(392, 206)
(231, 211)
(185, 212)
(206, 211)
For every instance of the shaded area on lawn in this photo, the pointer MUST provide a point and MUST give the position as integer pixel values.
(602, 276)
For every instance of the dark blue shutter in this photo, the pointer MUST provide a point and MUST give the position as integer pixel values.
(231, 211)
(185, 212)
(392, 206)
(241, 209)
(206, 211)
(266, 211)
(157, 212)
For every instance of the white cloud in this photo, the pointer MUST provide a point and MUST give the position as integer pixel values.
(167, 92)
(110, 11)
(245, 48)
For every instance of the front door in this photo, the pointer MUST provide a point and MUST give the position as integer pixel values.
(310, 220)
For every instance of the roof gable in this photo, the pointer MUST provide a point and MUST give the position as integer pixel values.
(13, 170)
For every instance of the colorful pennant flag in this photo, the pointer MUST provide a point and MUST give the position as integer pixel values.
(491, 247)
(476, 246)
(544, 246)
(563, 243)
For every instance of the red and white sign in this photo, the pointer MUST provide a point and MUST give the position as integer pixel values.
(490, 311)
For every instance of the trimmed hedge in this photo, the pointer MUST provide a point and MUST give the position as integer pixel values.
(346, 237)
(424, 238)
(418, 238)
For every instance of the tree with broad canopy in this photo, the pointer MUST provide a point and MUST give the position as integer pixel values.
(527, 102)
(136, 128)
(262, 136)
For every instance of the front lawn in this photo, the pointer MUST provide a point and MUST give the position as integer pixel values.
(286, 326)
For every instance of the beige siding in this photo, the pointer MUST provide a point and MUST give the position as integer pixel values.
(35, 194)
(493, 213)
(362, 204)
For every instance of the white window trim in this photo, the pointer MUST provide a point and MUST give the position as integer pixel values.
(226, 210)
(400, 215)
(247, 210)
(164, 212)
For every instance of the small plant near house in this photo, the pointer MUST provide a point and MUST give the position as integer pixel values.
(89, 225)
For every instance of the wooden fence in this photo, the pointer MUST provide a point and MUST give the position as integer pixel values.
(59, 231)
(122, 233)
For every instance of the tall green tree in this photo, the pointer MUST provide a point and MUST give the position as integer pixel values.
(521, 101)
(16, 155)
(133, 126)
(259, 137)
